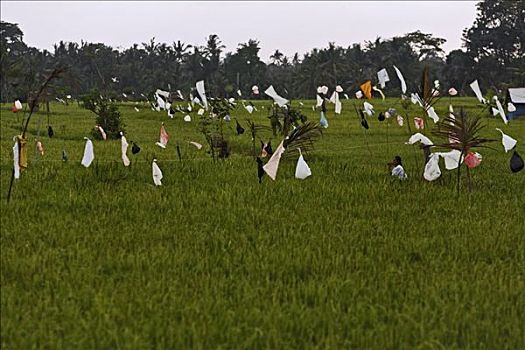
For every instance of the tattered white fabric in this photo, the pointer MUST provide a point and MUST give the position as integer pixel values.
(89, 154)
(432, 171)
(451, 158)
(319, 99)
(338, 106)
(202, 93)
(273, 164)
(16, 159)
(124, 148)
(501, 110)
(369, 109)
(18, 105)
(432, 114)
(475, 87)
(196, 144)
(402, 79)
(380, 92)
(418, 137)
(161, 97)
(383, 77)
(507, 141)
(399, 172)
(281, 101)
(157, 173)
(102, 132)
(416, 99)
(302, 170)
(335, 100)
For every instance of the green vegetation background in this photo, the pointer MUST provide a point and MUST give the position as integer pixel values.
(349, 258)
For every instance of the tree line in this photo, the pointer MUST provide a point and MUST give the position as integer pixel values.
(493, 53)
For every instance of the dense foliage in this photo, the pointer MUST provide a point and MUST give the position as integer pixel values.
(108, 115)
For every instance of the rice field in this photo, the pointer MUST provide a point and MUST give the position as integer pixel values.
(100, 258)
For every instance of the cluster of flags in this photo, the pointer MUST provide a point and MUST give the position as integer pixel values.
(162, 101)
(454, 158)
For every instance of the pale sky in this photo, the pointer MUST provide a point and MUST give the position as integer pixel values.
(290, 26)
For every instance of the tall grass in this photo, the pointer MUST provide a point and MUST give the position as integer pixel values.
(349, 258)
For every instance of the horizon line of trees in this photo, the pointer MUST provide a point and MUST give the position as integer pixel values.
(494, 54)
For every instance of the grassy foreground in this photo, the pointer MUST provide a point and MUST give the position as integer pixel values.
(99, 258)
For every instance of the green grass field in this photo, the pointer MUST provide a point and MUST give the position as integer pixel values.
(351, 258)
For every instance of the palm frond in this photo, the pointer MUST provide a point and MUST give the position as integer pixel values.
(303, 137)
(462, 131)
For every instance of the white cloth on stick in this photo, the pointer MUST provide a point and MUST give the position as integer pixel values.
(507, 141)
(432, 171)
(418, 137)
(157, 173)
(281, 101)
(402, 79)
(16, 158)
(273, 164)
(302, 170)
(89, 154)
(124, 148)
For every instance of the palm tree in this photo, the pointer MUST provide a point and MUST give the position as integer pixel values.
(463, 135)
(277, 57)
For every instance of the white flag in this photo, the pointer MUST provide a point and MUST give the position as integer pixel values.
(402, 79)
(89, 155)
(202, 93)
(273, 164)
(281, 101)
(302, 170)
(157, 173)
(16, 159)
(507, 141)
(124, 148)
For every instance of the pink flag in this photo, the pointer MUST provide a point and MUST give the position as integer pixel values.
(419, 122)
(164, 137)
(472, 160)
